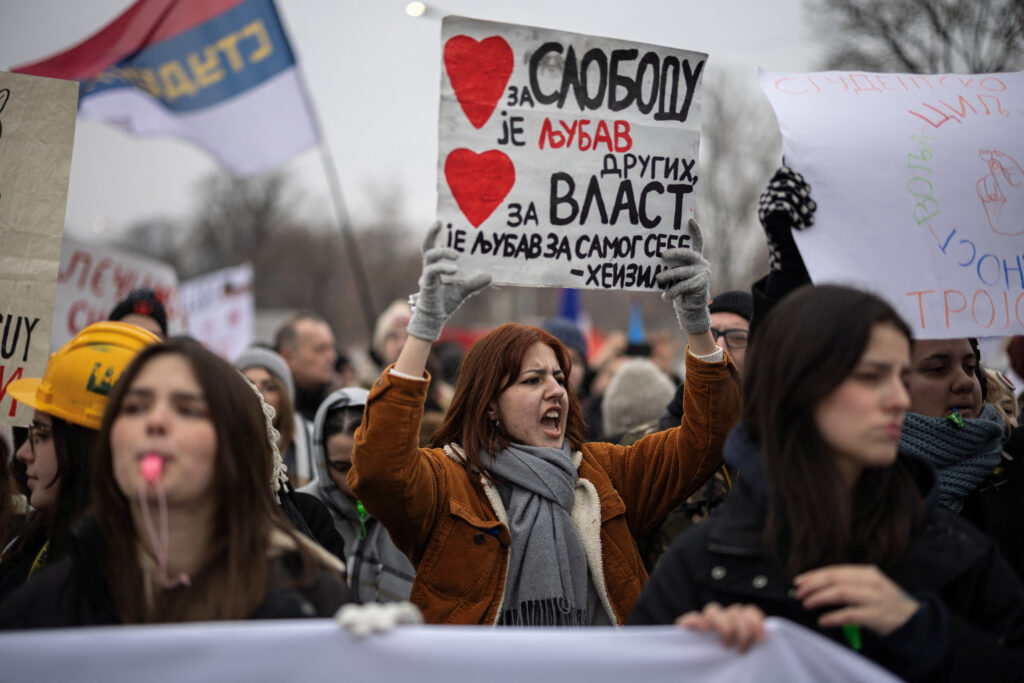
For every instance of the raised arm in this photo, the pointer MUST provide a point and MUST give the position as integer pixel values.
(435, 302)
(687, 284)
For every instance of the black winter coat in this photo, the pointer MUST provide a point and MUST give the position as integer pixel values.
(73, 592)
(971, 626)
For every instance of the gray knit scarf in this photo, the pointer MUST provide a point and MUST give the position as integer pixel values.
(547, 570)
(962, 456)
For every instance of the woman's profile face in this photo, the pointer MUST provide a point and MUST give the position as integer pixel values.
(534, 409)
(164, 412)
(39, 455)
(861, 420)
(264, 381)
(339, 460)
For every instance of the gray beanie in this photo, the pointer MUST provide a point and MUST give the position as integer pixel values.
(271, 361)
(637, 394)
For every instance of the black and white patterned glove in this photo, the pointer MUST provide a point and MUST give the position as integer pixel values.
(784, 206)
(437, 300)
(687, 283)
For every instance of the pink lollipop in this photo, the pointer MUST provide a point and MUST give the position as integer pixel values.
(152, 467)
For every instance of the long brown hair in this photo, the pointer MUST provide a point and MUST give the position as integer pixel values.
(805, 348)
(73, 444)
(233, 578)
(488, 369)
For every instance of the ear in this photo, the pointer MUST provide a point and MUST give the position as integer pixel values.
(492, 411)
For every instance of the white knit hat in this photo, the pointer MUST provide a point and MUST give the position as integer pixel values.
(638, 393)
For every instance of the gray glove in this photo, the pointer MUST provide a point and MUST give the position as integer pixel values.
(687, 283)
(437, 300)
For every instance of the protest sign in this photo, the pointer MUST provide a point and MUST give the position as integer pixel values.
(920, 191)
(565, 159)
(219, 310)
(37, 131)
(93, 278)
(314, 650)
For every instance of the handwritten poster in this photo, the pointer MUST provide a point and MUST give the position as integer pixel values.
(920, 191)
(93, 278)
(219, 309)
(37, 131)
(565, 159)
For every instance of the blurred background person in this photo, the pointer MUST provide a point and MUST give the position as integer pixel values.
(377, 570)
(142, 308)
(307, 344)
(271, 375)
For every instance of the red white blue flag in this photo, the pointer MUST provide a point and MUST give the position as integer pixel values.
(219, 73)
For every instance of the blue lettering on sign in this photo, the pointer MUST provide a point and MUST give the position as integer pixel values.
(222, 57)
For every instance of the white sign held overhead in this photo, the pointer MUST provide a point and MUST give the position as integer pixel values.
(919, 181)
(565, 159)
(219, 309)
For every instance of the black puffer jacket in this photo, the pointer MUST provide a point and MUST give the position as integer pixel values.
(73, 592)
(970, 628)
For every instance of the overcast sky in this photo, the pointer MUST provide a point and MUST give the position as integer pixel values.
(373, 75)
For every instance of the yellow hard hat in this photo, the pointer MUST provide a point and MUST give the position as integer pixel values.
(79, 375)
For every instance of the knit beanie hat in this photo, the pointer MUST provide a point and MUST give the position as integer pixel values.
(271, 361)
(636, 395)
(142, 301)
(567, 332)
(734, 301)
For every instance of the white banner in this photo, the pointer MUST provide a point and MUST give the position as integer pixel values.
(219, 309)
(565, 159)
(920, 191)
(94, 278)
(37, 131)
(318, 650)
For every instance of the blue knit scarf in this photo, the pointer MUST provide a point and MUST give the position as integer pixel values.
(963, 457)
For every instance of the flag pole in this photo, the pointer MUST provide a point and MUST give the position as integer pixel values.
(341, 215)
(340, 211)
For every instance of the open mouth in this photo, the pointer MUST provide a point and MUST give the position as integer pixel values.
(551, 422)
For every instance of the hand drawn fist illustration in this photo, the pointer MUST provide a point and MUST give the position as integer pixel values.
(1001, 192)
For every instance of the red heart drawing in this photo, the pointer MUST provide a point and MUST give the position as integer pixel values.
(479, 182)
(479, 72)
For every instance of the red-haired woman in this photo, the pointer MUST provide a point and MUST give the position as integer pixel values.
(510, 518)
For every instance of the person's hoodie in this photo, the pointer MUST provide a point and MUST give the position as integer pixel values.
(377, 570)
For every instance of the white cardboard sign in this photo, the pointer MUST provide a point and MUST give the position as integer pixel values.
(93, 278)
(37, 130)
(220, 310)
(565, 159)
(920, 191)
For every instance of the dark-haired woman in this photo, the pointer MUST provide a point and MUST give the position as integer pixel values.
(185, 527)
(948, 424)
(828, 526)
(510, 518)
(68, 400)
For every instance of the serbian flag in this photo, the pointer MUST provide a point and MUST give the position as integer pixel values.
(217, 72)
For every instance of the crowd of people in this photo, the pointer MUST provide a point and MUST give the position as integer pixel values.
(813, 461)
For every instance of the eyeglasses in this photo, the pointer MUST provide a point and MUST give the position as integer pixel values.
(39, 433)
(734, 339)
